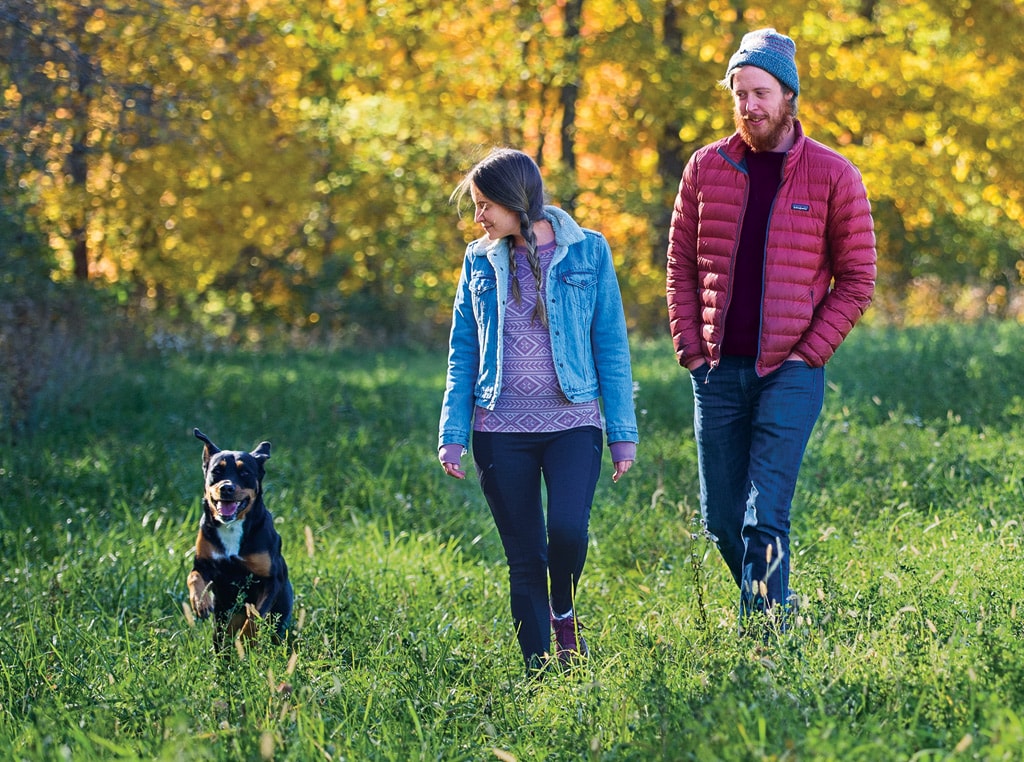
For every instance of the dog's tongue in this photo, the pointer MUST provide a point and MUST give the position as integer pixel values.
(227, 510)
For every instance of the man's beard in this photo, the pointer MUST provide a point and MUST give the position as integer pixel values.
(777, 125)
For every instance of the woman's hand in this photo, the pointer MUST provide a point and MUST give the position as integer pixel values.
(454, 470)
(621, 467)
(450, 456)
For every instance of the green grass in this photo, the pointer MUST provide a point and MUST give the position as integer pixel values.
(907, 556)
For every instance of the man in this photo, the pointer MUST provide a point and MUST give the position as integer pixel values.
(771, 262)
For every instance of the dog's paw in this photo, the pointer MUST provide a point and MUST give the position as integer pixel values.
(202, 606)
(200, 595)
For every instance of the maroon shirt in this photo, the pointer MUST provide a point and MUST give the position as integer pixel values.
(743, 320)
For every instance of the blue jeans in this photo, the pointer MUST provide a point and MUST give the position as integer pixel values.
(510, 467)
(751, 436)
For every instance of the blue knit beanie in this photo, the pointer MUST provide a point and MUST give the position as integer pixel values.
(769, 50)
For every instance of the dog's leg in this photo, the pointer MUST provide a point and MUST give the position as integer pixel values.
(283, 610)
(272, 574)
(200, 594)
(252, 621)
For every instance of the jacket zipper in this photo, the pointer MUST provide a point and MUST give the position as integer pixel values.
(732, 262)
(764, 263)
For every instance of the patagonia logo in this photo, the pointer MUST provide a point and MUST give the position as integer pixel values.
(801, 207)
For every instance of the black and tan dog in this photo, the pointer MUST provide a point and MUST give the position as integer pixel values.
(238, 571)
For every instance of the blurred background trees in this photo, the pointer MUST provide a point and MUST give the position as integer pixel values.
(263, 170)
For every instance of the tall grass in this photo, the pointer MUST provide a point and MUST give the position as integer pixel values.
(907, 557)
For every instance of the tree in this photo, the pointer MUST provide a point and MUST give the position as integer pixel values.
(261, 166)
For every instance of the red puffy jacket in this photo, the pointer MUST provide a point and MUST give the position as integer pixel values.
(819, 271)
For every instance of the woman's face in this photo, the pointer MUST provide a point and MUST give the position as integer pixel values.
(497, 221)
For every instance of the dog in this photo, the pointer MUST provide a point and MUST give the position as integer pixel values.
(239, 573)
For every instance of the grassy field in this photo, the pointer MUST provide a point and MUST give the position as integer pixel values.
(907, 557)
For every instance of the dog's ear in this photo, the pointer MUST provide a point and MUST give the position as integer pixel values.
(210, 448)
(262, 452)
(262, 455)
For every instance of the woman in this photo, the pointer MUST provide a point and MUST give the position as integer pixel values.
(538, 339)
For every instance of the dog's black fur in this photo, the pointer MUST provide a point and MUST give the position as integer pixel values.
(239, 574)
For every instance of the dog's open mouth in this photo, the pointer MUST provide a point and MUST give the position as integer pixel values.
(228, 511)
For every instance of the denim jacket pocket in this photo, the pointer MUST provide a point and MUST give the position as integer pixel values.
(483, 290)
(582, 294)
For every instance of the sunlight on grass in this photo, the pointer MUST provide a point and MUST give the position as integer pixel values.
(909, 640)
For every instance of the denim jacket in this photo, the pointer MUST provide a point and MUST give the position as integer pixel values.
(585, 321)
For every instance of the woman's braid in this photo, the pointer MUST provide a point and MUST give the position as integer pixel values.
(517, 293)
(533, 258)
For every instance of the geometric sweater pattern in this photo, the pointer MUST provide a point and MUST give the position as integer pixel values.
(531, 401)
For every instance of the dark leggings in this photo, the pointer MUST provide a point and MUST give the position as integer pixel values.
(510, 467)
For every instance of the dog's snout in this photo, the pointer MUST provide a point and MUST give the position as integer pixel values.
(224, 489)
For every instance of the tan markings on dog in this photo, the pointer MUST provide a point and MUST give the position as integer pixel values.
(213, 494)
(258, 563)
(199, 594)
(239, 623)
(243, 623)
(250, 497)
(204, 548)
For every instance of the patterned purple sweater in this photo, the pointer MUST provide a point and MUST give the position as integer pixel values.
(531, 400)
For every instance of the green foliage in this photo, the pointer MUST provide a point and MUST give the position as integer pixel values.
(281, 168)
(49, 332)
(906, 556)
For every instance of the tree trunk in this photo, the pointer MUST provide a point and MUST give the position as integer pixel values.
(569, 96)
(670, 147)
(78, 169)
(78, 158)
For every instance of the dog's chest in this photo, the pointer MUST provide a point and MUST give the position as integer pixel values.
(230, 538)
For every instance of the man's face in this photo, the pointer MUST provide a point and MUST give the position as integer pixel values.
(761, 108)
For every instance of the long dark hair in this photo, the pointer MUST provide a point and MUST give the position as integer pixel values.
(512, 179)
